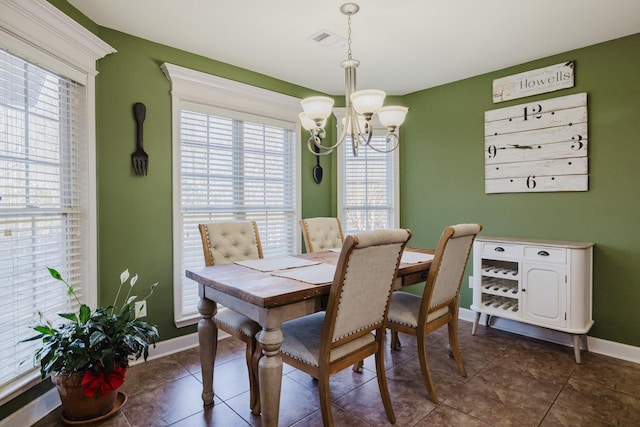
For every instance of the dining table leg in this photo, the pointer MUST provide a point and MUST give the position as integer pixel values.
(208, 343)
(270, 375)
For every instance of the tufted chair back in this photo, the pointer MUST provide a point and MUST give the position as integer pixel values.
(225, 242)
(366, 271)
(321, 234)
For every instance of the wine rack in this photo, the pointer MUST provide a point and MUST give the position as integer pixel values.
(499, 286)
(541, 282)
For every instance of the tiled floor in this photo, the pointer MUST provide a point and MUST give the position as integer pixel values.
(512, 381)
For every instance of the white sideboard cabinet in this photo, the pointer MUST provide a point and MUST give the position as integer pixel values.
(546, 283)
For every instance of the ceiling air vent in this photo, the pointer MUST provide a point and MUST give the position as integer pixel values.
(328, 39)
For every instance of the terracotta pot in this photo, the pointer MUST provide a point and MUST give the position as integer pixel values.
(75, 405)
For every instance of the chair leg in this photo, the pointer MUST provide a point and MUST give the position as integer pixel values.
(424, 367)
(395, 341)
(254, 352)
(383, 386)
(454, 345)
(325, 400)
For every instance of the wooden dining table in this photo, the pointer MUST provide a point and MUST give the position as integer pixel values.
(270, 300)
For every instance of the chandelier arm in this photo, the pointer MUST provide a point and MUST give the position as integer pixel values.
(390, 136)
(317, 137)
(315, 141)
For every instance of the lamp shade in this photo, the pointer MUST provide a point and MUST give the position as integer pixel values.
(309, 124)
(317, 107)
(367, 101)
(361, 124)
(392, 116)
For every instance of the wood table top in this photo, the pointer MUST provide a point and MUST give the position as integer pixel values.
(266, 290)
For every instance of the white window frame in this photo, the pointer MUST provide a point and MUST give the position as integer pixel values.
(189, 87)
(40, 33)
(345, 149)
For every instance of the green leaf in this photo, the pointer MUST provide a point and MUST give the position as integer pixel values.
(43, 329)
(54, 273)
(69, 316)
(85, 313)
(96, 337)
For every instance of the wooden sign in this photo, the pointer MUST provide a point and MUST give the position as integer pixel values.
(537, 147)
(542, 80)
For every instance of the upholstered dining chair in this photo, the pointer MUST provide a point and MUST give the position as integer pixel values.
(223, 243)
(321, 233)
(420, 315)
(327, 342)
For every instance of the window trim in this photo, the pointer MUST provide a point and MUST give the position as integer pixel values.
(378, 128)
(190, 86)
(37, 31)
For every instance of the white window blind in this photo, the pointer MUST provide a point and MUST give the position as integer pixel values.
(368, 185)
(234, 166)
(43, 205)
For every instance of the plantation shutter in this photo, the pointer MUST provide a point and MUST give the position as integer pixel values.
(43, 204)
(234, 166)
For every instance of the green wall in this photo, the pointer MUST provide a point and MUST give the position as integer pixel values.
(442, 172)
(134, 213)
(442, 175)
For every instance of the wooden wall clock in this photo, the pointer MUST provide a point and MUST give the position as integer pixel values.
(537, 147)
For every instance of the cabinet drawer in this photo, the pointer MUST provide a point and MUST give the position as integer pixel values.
(499, 250)
(545, 254)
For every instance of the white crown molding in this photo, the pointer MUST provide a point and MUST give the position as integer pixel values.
(44, 27)
(199, 87)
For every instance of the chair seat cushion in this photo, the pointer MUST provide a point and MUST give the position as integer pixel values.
(302, 340)
(230, 320)
(405, 309)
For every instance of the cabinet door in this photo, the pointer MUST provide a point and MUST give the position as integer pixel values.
(544, 294)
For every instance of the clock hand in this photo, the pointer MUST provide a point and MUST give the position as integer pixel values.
(521, 146)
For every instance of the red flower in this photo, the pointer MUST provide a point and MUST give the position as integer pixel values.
(99, 384)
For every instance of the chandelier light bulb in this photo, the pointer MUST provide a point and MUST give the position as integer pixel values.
(367, 101)
(392, 116)
(361, 123)
(317, 108)
(309, 124)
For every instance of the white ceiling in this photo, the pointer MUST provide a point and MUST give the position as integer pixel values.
(403, 45)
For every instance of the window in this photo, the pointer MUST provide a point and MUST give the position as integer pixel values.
(41, 210)
(368, 185)
(231, 164)
(47, 175)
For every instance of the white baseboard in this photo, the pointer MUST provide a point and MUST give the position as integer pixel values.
(33, 411)
(40, 407)
(596, 345)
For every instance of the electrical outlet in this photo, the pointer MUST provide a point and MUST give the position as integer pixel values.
(141, 309)
(471, 282)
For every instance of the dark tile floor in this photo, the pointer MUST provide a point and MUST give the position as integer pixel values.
(512, 381)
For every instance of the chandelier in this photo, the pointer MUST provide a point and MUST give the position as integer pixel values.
(360, 109)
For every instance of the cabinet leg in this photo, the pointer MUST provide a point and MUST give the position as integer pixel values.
(576, 348)
(475, 323)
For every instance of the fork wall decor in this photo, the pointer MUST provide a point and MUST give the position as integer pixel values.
(139, 158)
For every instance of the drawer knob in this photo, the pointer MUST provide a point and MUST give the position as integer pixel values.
(498, 249)
(543, 253)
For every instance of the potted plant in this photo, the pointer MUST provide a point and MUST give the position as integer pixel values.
(87, 355)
